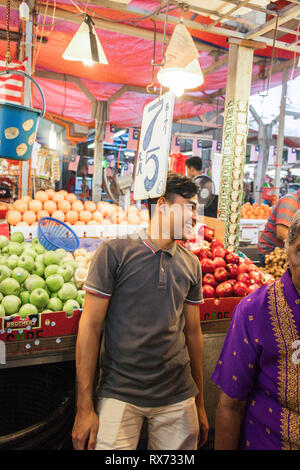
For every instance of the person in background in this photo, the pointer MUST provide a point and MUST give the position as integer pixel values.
(258, 368)
(277, 225)
(71, 183)
(146, 290)
(194, 171)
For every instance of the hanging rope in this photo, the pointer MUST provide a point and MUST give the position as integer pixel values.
(7, 55)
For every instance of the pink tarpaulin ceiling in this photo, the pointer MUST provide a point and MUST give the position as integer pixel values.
(129, 60)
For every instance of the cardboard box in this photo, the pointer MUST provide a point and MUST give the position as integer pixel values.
(218, 309)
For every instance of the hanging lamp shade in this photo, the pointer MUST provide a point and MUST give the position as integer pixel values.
(85, 45)
(181, 70)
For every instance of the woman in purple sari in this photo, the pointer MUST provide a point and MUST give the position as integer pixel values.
(258, 370)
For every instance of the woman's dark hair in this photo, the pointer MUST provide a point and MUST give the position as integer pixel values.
(194, 162)
(176, 184)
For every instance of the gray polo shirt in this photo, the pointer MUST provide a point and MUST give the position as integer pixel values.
(146, 361)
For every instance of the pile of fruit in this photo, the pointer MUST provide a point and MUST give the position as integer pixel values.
(66, 207)
(224, 273)
(255, 211)
(34, 280)
(276, 263)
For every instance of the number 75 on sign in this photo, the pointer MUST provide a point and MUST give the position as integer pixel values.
(152, 161)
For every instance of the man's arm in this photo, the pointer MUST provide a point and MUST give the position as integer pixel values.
(195, 345)
(87, 351)
(282, 232)
(228, 422)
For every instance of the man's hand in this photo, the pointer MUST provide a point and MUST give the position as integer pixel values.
(203, 425)
(85, 429)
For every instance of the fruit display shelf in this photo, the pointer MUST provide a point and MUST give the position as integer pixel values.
(86, 231)
(39, 339)
(250, 230)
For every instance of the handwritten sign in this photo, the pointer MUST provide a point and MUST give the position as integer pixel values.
(152, 161)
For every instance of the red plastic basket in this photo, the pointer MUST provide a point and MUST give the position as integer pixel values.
(3, 213)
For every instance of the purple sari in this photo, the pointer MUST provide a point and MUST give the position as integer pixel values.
(260, 363)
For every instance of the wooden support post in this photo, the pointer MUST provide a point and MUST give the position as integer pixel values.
(280, 136)
(99, 113)
(234, 141)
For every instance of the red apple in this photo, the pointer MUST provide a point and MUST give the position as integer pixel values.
(220, 274)
(196, 249)
(245, 278)
(224, 289)
(232, 281)
(243, 268)
(218, 252)
(240, 289)
(233, 270)
(232, 258)
(255, 276)
(252, 288)
(209, 279)
(206, 254)
(207, 266)
(208, 291)
(216, 243)
(219, 263)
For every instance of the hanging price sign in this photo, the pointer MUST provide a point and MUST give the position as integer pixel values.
(152, 161)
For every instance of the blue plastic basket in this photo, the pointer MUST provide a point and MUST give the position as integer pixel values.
(53, 234)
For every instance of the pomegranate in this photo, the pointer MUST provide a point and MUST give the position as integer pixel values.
(209, 279)
(220, 274)
(219, 263)
(218, 252)
(240, 289)
(232, 258)
(208, 291)
(232, 270)
(216, 243)
(244, 278)
(207, 265)
(224, 289)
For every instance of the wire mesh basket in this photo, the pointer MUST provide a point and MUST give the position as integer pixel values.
(53, 234)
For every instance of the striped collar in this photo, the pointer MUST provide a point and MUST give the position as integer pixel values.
(152, 246)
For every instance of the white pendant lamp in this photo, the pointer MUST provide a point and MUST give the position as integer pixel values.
(85, 45)
(182, 69)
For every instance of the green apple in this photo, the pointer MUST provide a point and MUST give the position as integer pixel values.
(26, 262)
(50, 270)
(50, 257)
(54, 295)
(3, 241)
(5, 272)
(1, 297)
(38, 269)
(39, 298)
(34, 282)
(9, 286)
(12, 261)
(69, 261)
(47, 311)
(11, 304)
(68, 291)
(3, 259)
(2, 311)
(35, 241)
(69, 306)
(20, 274)
(28, 309)
(39, 249)
(14, 248)
(66, 271)
(55, 304)
(54, 282)
(30, 252)
(17, 237)
(80, 297)
(25, 297)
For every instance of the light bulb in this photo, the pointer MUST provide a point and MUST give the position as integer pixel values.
(52, 137)
(177, 90)
(88, 62)
(24, 11)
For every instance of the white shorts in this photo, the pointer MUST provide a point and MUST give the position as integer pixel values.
(172, 427)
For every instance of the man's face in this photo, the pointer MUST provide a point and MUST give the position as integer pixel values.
(190, 172)
(293, 257)
(180, 217)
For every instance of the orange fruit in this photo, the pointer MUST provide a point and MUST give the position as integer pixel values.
(85, 216)
(70, 197)
(58, 215)
(98, 216)
(26, 198)
(20, 205)
(64, 206)
(13, 217)
(72, 217)
(29, 217)
(42, 214)
(41, 196)
(50, 206)
(50, 193)
(58, 197)
(77, 206)
(90, 206)
(35, 206)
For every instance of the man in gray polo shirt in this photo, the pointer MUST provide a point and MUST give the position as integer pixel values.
(146, 290)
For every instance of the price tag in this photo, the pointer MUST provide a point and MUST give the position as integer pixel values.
(152, 162)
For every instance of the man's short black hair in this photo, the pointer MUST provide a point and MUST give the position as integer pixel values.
(194, 162)
(176, 184)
